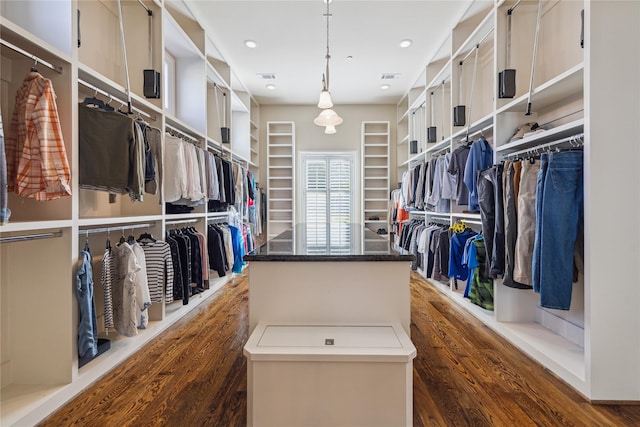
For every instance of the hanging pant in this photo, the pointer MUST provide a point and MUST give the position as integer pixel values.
(87, 329)
(522, 270)
(510, 224)
(559, 223)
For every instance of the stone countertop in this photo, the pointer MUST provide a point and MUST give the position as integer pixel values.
(344, 242)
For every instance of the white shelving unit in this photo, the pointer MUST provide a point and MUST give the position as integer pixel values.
(375, 136)
(38, 305)
(280, 177)
(591, 346)
(254, 135)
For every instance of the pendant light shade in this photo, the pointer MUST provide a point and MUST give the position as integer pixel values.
(330, 130)
(328, 117)
(325, 100)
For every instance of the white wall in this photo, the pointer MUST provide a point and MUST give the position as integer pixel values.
(310, 137)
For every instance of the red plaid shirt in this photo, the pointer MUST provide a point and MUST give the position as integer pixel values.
(37, 165)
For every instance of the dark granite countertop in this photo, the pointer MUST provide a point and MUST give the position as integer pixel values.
(328, 242)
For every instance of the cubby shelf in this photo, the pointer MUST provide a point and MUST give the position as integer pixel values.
(375, 161)
(280, 177)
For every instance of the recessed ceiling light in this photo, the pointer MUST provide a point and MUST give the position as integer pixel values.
(271, 86)
(384, 87)
(250, 44)
(406, 43)
(349, 58)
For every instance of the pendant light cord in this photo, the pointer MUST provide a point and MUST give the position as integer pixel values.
(327, 57)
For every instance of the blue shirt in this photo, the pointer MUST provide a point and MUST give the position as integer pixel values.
(480, 157)
(238, 249)
(457, 268)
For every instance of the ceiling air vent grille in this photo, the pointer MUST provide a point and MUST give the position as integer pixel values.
(390, 76)
(267, 76)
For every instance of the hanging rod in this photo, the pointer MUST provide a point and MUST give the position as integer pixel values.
(477, 46)
(572, 139)
(471, 221)
(437, 152)
(108, 95)
(217, 87)
(181, 221)
(440, 85)
(37, 59)
(562, 117)
(239, 159)
(218, 219)
(215, 147)
(149, 11)
(168, 126)
(479, 131)
(115, 227)
(419, 106)
(512, 8)
(442, 221)
(11, 239)
(217, 215)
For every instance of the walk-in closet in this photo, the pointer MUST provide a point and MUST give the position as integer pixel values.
(143, 166)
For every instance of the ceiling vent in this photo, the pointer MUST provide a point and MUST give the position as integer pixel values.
(266, 76)
(390, 76)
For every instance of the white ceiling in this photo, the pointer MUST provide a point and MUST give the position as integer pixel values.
(291, 38)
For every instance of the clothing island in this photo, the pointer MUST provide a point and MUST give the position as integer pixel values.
(329, 317)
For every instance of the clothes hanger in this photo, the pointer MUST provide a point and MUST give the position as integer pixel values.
(122, 239)
(146, 236)
(34, 67)
(93, 101)
(108, 244)
(107, 105)
(86, 242)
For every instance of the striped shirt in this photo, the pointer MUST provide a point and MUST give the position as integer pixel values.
(159, 270)
(106, 276)
(37, 165)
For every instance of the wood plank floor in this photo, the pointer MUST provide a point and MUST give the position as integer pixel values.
(194, 374)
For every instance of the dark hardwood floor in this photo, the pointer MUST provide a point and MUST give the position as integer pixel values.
(194, 374)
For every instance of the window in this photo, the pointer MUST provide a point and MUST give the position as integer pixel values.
(328, 202)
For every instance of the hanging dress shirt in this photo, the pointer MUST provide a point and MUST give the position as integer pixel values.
(37, 165)
(480, 157)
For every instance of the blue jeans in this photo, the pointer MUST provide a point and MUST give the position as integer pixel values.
(542, 173)
(560, 216)
(87, 329)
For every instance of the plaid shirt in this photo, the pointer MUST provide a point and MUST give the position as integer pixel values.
(37, 165)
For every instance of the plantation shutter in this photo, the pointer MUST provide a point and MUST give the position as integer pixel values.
(328, 200)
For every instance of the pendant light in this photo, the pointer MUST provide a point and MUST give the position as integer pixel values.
(327, 117)
(330, 130)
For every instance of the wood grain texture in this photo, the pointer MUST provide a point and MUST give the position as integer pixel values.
(464, 375)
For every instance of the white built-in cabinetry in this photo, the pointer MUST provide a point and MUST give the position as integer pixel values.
(38, 314)
(594, 346)
(254, 136)
(281, 150)
(375, 174)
